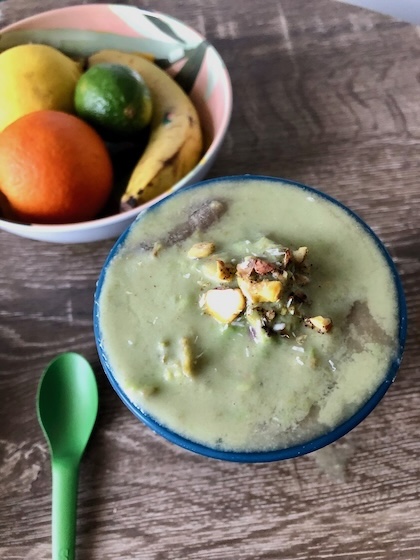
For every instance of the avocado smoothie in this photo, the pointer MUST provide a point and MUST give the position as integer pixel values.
(248, 315)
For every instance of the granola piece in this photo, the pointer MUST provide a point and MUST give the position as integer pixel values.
(201, 250)
(319, 323)
(262, 291)
(223, 304)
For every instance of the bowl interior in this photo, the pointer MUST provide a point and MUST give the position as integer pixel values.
(283, 453)
(181, 51)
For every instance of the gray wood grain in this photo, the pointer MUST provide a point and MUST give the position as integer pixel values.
(325, 94)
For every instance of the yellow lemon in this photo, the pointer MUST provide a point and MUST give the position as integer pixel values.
(35, 77)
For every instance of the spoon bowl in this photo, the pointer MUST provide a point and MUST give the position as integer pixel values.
(67, 406)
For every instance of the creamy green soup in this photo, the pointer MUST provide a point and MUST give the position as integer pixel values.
(261, 375)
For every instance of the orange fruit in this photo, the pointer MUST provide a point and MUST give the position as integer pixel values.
(54, 169)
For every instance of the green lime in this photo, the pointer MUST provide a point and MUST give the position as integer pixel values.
(113, 98)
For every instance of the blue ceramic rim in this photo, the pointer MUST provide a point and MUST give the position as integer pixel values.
(279, 454)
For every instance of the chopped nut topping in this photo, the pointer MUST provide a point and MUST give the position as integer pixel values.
(245, 268)
(225, 271)
(319, 323)
(224, 304)
(300, 254)
(255, 265)
(263, 291)
(201, 250)
(263, 267)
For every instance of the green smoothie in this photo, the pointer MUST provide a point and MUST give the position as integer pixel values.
(248, 315)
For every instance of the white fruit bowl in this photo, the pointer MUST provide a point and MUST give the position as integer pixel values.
(185, 55)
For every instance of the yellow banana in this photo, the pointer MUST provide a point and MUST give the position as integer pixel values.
(175, 143)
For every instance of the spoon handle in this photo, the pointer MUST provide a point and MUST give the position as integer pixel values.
(64, 504)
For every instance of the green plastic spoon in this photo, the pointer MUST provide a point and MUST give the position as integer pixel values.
(67, 406)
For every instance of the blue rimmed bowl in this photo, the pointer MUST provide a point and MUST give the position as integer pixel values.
(288, 452)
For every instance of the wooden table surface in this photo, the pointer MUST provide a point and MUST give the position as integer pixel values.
(326, 94)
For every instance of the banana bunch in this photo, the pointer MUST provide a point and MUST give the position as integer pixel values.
(175, 143)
